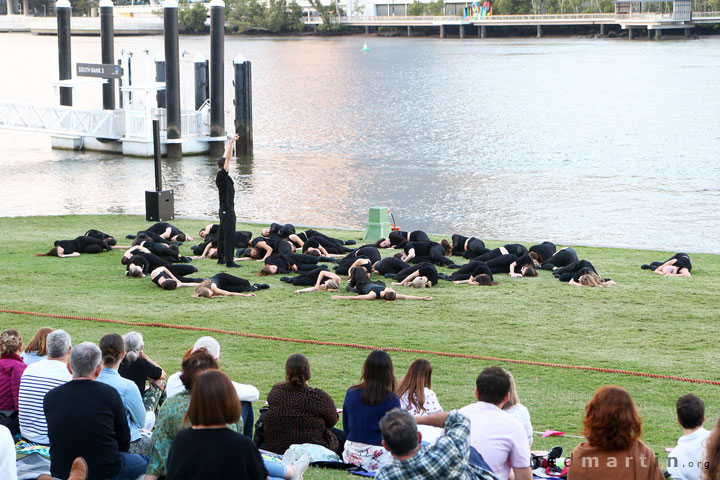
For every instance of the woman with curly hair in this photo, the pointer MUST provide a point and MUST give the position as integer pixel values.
(11, 370)
(613, 448)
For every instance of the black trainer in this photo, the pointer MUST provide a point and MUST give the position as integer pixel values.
(261, 286)
(232, 265)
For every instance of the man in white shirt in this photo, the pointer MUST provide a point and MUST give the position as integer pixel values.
(38, 379)
(245, 393)
(685, 462)
(494, 433)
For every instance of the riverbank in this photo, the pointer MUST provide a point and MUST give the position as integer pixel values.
(646, 324)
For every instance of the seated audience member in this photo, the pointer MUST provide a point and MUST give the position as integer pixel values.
(246, 393)
(298, 413)
(518, 410)
(8, 470)
(37, 380)
(87, 419)
(613, 448)
(172, 418)
(36, 349)
(365, 404)
(209, 449)
(414, 392)
(113, 351)
(686, 460)
(140, 368)
(11, 370)
(494, 433)
(448, 458)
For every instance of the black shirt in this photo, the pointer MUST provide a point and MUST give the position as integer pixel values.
(86, 419)
(369, 252)
(139, 371)
(214, 453)
(502, 263)
(226, 189)
(545, 250)
(422, 249)
(682, 260)
(68, 246)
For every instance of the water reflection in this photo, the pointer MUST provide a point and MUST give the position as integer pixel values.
(572, 140)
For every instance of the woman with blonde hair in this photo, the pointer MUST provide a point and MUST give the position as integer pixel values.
(414, 389)
(613, 448)
(517, 409)
(36, 348)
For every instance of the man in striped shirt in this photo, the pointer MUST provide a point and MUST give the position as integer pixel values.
(37, 381)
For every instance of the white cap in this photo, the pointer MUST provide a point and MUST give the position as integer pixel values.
(199, 58)
(170, 4)
(216, 3)
(63, 4)
(209, 344)
(106, 3)
(239, 59)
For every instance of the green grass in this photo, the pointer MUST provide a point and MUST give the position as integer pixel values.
(647, 323)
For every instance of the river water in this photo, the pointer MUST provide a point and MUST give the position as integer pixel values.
(583, 141)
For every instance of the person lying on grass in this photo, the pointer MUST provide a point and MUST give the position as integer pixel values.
(369, 290)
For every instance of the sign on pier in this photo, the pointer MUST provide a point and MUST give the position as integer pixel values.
(99, 70)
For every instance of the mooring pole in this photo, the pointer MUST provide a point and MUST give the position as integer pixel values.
(202, 80)
(243, 106)
(217, 77)
(160, 78)
(172, 79)
(156, 155)
(107, 41)
(64, 12)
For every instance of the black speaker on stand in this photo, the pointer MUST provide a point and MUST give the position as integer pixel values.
(159, 203)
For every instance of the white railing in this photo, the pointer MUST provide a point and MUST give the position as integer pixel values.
(62, 120)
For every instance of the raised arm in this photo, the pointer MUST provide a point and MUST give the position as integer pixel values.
(326, 274)
(228, 152)
(409, 255)
(514, 274)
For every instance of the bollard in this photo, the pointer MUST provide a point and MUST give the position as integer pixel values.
(202, 80)
(658, 34)
(378, 226)
(217, 77)
(64, 12)
(159, 203)
(462, 31)
(160, 78)
(172, 79)
(442, 31)
(243, 106)
(107, 41)
(602, 29)
(539, 31)
(630, 33)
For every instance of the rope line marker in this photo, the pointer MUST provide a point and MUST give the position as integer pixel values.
(367, 347)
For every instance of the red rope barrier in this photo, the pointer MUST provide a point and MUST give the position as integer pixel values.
(368, 347)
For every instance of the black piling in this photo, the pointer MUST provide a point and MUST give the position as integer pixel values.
(160, 78)
(172, 79)
(202, 80)
(243, 106)
(217, 76)
(64, 12)
(107, 41)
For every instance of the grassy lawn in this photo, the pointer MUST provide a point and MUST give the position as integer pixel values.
(647, 323)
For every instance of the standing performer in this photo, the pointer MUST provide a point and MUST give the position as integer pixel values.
(226, 191)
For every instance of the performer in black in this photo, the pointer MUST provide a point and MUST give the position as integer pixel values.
(226, 191)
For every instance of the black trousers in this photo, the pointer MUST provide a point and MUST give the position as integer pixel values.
(560, 259)
(231, 283)
(226, 234)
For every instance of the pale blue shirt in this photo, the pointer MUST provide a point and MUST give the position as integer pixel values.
(134, 408)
